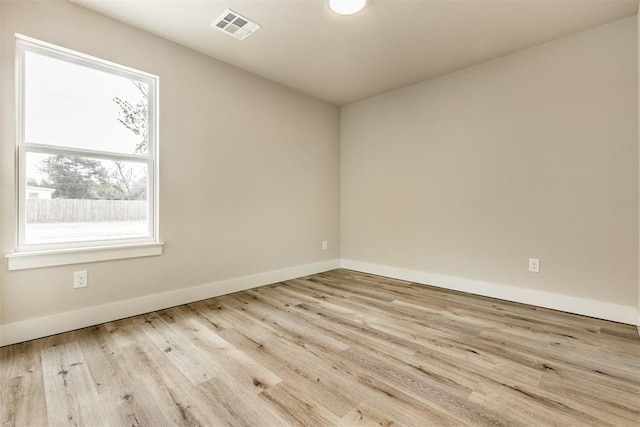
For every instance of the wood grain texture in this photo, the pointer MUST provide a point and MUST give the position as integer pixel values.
(337, 348)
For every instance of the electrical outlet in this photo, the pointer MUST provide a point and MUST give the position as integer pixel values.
(534, 265)
(325, 245)
(80, 279)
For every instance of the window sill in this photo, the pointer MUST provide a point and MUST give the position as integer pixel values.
(38, 259)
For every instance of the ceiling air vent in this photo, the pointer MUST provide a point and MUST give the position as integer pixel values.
(235, 24)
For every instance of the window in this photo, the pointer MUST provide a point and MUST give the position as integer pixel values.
(86, 139)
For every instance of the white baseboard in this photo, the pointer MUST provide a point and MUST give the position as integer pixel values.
(569, 304)
(26, 330)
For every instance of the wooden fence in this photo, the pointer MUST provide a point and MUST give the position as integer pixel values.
(80, 210)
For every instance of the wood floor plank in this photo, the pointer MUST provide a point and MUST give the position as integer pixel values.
(70, 393)
(99, 356)
(236, 406)
(268, 308)
(346, 381)
(301, 367)
(232, 361)
(338, 348)
(184, 355)
(530, 408)
(19, 359)
(132, 405)
(593, 394)
(161, 391)
(22, 401)
(297, 410)
(367, 414)
(122, 333)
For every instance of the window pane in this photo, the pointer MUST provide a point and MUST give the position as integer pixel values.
(71, 105)
(72, 199)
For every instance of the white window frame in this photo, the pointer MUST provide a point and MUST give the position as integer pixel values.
(41, 255)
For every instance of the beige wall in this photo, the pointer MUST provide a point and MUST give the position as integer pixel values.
(249, 170)
(531, 155)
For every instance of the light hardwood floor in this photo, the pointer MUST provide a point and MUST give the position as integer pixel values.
(338, 348)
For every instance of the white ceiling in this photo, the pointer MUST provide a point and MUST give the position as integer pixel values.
(392, 43)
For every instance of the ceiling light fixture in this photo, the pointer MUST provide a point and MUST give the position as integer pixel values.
(347, 7)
